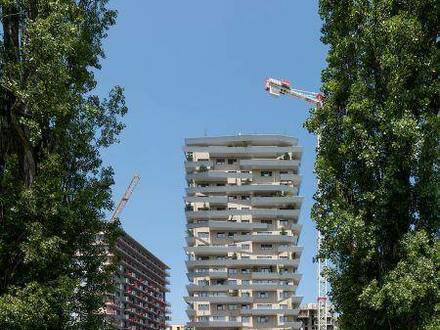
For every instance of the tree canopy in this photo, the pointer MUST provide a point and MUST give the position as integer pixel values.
(378, 162)
(54, 189)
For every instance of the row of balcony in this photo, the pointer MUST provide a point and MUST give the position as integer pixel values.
(247, 151)
(257, 238)
(221, 176)
(256, 287)
(230, 299)
(243, 188)
(256, 275)
(275, 201)
(226, 214)
(247, 164)
(241, 225)
(242, 262)
(224, 249)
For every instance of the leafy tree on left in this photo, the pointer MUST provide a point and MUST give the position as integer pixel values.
(54, 189)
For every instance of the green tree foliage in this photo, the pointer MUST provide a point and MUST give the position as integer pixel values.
(53, 186)
(378, 200)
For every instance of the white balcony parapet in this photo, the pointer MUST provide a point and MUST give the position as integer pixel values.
(244, 188)
(270, 311)
(242, 262)
(269, 164)
(252, 151)
(228, 225)
(266, 213)
(217, 176)
(260, 139)
(213, 250)
(214, 324)
(256, 287)
(277, 201)
(219, 299)
(208, 199)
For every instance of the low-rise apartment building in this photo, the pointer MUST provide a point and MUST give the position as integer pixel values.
(138, 302)
(242, 210)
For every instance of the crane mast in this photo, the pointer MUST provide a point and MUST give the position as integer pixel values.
(276, 88)
(127, 194)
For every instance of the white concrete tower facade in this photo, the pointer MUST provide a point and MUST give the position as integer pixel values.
(242, 209)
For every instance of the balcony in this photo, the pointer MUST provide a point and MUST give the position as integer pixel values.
(295, 249)
(212, 274)
(292, 325)
(270, 311)
(228, 225)
(291, 177)
(257, 139)
(241, 262)
(269, 164)
(251, 286)
(217, 176)
(225, 214)
(243, 188)
(215, 324)
(220, 200)
(263, 238)
(213, 250)
(219, 299)
(276, 275)
(193, 165)
(295, 201)
(250, 151)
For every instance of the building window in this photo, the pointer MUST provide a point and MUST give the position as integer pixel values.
(263, 294)
(266, 173)
(203, 307)
(220, 161)
(266, 246)
(262, 319)
(232, 161)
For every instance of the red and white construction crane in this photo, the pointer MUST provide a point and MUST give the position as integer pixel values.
(133, 183)
(277, 87)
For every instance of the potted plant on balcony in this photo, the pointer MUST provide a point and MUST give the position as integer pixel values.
(189, 156)
(233, 293)
(283, 231)
(287, 156)
(204, 208)
(202, 169)
(189, 207)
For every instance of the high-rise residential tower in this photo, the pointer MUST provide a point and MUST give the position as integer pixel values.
(242, 209)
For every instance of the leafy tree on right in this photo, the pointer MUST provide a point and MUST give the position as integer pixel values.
(378, 162)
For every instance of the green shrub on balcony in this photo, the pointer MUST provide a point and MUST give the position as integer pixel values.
(203, 168)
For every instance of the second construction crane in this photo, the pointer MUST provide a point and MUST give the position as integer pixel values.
(133, 183)
(277, 87)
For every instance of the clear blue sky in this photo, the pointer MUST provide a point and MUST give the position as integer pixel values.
(190, 67)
